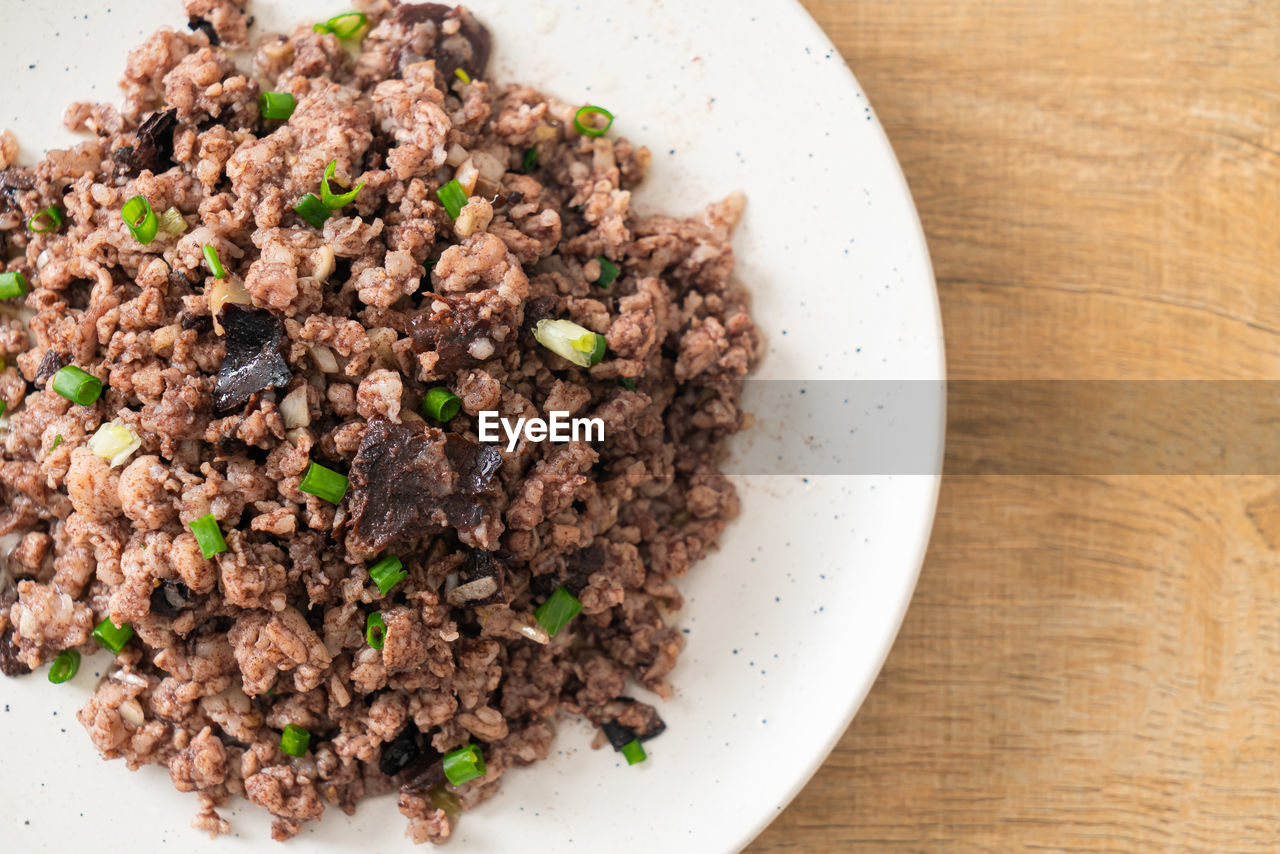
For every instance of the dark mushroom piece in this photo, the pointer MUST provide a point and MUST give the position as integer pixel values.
(255, 360)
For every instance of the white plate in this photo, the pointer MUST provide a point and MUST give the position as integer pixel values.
(790, 621)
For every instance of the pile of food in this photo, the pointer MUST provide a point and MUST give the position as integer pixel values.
(247, 329)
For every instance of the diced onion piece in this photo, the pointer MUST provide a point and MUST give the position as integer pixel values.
(567, 339)
(293, 409)
(456, 156)
(131, 711)
(466, 176)
(223, 291)
(325, 360)
(114, 442)
(322, 262)
(380, 340)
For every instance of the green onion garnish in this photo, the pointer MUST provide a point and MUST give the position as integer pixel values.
(608, 272)
(294, 740)
(566, 338)
(111, 636)
(462, 75)
(387, 573)
(2, 408)
(375, 630)
(441, 404)
(52, 216)
(140, 219)
(588, 112)
(64, 666)
(555, 613)
(598, 353)
(77, 386)
(634, 751)
(312, 210)
(343, 26)
(530, 160)
(463, 764)
(629, 383)
(453, 198)
(57, 440)
(215, 263)
(276, 105)
(208, 535)
(171, 222)
(328, 198)
(323, 483)
(12, 285)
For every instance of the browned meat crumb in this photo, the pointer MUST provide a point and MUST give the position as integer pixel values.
(319, 346)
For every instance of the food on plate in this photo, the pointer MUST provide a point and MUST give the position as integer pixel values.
(248, 329)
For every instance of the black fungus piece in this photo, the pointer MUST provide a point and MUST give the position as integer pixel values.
(453, 326)
(152, 148)
(200, 25)
(403, 750)
(171, 598)
(424, 774)
(254, 361)
(410, 480)
(575, 574)
(50, 363)
(15, 180)
(618, 735)
(9, 663)
(537, 309)
(198, 322)
(481, 581)
(468, 48)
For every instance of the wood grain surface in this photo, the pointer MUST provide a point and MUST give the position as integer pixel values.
(1091, 663)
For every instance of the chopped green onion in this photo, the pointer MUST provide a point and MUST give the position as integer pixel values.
(276, 105)
(530, 160)
(2, 408)
(140, 219)
(294, 740)
(215, 263)
(387, 573)
(312, 210)
(462, 75)
(64, 666)
(375, 630)
(555, 613)
(566, 338)
(114, 442)
(633, 751)
(629, 383)
(77, 385)
(208, 536)
(323, 483)
(328, 198)
(608, 272)
(588, 112)
(57, 439)
(53, 214)
(171, 222)
(343, 26)
(111, 636)
(12, 284)
(453, 198)
(441, 404)
(465, 763)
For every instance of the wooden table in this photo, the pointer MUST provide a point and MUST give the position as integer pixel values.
(1090, 663)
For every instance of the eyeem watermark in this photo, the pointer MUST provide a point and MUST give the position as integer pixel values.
(559, 428)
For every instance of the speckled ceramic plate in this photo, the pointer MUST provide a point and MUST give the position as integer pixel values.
(789, 622)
